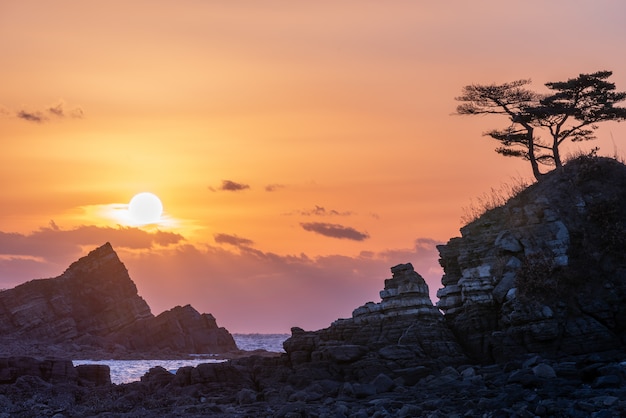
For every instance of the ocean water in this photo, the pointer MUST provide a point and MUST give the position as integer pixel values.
(269, 342)
(126, 371)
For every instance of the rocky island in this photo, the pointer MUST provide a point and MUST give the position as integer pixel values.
(531, 321)
(93, 310)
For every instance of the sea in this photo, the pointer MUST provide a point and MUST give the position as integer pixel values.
(127, 371)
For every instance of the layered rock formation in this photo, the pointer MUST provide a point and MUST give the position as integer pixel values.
(545, 273)
(94, 305)
(402, 330)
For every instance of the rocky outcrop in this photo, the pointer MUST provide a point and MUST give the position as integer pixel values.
(545, 273)
(401, 331)
(94, 296)
(181, 329)
(94, 306)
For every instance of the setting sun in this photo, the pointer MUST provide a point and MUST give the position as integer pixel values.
(145, 208)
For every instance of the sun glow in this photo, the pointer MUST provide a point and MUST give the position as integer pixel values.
(145, 208)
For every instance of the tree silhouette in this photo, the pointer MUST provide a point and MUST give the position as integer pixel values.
(571, 112)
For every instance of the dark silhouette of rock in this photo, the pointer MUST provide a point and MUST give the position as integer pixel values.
(94, 306)
(400, 332)
(181, 329)
(49, 370)
(93, 374)
(545, 273)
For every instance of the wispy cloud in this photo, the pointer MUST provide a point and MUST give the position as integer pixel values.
(36, 117)
(232, 240)
(322, 211)
(273, 187)
(231, 186)
(51, 242)
(335, 231)
(58, 110)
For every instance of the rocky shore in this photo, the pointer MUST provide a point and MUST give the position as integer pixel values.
(582, 386)
(531, 322)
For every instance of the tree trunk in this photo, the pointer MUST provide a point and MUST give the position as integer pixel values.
(531, 152)
(556, 154)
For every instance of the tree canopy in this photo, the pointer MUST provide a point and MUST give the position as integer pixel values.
(572, 112)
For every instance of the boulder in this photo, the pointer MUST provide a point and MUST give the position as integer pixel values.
(93, 374)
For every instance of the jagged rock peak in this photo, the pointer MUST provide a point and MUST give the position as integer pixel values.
(94, 260)
(95, 304)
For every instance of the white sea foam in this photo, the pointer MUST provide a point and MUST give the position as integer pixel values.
(126, 371)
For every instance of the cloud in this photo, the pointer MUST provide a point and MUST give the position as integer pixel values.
(36, 117)
(321, 211)
(232, 240)
(231, 186)
(334, 231)
(53, 243)
(58, 111)
(273, 187)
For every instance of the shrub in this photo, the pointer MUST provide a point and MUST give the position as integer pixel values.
(537, 276)
(493, 199)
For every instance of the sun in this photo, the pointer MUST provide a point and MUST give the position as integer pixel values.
(145, 208)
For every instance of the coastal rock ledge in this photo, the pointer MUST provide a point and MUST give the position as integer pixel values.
(93, 309)
(544, 273)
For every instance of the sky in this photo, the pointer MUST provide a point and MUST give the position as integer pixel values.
(300, 149)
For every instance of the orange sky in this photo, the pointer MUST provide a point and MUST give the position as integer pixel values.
(321, 112)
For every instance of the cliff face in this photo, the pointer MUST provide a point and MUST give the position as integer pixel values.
(545, 273)
(95, 303)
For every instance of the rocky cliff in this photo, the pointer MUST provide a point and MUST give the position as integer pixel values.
(545, 273)
(93, 306)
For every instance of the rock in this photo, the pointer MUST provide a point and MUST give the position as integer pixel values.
(609, 381)
(345, 353)
(246, 396)
(182, 330)
(48, 370)
(544, 371)
(157, 377)
(94, 306)
(94, 374)
(546, 272)
(363, 390)
(404, 327)
(383, 383)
